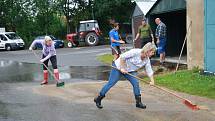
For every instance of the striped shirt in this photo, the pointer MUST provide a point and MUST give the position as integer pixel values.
(134, 62)
(161, 31)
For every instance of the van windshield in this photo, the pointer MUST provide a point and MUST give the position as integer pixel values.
(12, 36)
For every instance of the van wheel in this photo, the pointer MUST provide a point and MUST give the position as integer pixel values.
(8, 48)
(91, 39)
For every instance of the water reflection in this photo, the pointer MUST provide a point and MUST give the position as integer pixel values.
(11, 71)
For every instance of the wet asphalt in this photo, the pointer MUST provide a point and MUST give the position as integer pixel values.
(23, 99)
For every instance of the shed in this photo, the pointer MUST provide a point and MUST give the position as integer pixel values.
(141, 8)
(173, 14)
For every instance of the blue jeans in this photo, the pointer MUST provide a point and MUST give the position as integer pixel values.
(115, 77)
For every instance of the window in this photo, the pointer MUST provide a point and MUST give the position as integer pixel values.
(12, 36)
(91, 26)
(82, 27)
(2, 37)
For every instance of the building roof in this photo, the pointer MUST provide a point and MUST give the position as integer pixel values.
(143, 7)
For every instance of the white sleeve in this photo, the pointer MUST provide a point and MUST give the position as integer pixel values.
(129, 54)
(148, 68)
(36, 42)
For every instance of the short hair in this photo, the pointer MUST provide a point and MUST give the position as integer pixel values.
(149, 46)
(115, 25)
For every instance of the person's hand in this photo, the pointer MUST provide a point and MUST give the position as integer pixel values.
(42, 60)
(123, 71)
(158, 41)
(153, 39)
(30, 48)
(122, 42)
(151, 83)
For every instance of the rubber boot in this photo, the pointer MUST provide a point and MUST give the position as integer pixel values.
(139, 104)
(56, 74)
(98, 100)
(45, 76)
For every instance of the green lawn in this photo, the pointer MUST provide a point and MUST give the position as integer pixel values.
(106, 58)
(188, 81)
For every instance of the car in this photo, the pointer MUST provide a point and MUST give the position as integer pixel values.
(57, 43)
(87, 32)
(11, 41)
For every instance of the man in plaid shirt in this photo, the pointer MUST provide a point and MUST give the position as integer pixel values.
(161, 39)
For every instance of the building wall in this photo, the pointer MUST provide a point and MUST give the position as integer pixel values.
(136, 22)
(195, 39)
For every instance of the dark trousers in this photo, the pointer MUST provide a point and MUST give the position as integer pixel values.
(145, 41)
(53, 60)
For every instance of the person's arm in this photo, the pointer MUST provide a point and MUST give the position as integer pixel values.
(138, 34)
(120, 41)
(149, 71)
(111, 35)
(52, 52)
(123, 66)
(151, 33)
(34, 43)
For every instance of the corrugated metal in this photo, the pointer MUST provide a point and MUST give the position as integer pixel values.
(163, 6)
(209, 35)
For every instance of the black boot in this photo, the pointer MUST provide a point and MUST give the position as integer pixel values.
(139, 104)
(98, 100)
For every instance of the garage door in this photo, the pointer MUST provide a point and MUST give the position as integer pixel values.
(209, 35)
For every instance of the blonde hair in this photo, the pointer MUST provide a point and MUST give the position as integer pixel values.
(149, 46)
(47, 39)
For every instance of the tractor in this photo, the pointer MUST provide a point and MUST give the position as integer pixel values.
(87, 32)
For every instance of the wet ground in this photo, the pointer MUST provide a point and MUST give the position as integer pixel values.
(23, 99)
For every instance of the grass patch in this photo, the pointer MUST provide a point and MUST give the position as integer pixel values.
(106, 58)
(187, 81)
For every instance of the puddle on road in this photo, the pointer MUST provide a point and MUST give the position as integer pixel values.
(11, 72)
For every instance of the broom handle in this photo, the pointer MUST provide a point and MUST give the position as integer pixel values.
(44, 65)
(185, 39)
(154, 85)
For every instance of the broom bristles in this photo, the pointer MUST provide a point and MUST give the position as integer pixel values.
(190, 105)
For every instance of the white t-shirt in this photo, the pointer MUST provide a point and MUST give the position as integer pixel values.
(134, 62)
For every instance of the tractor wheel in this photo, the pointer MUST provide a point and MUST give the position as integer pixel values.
(129, 39)
(71, 45)
(91, 39)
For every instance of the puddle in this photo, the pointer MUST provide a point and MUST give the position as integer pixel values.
(12, 72)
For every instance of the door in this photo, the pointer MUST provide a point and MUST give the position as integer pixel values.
(3, 40)
(209, 46)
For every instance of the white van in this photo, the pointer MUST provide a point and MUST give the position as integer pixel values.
(11, 41)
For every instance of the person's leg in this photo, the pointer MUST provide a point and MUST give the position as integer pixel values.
(53, 60)
(45, 72)
(115, 57)
(115, 52)
(113, 78)
(162, 50)
(136, 89)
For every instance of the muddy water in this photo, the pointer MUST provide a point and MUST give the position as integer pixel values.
(12, 72)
